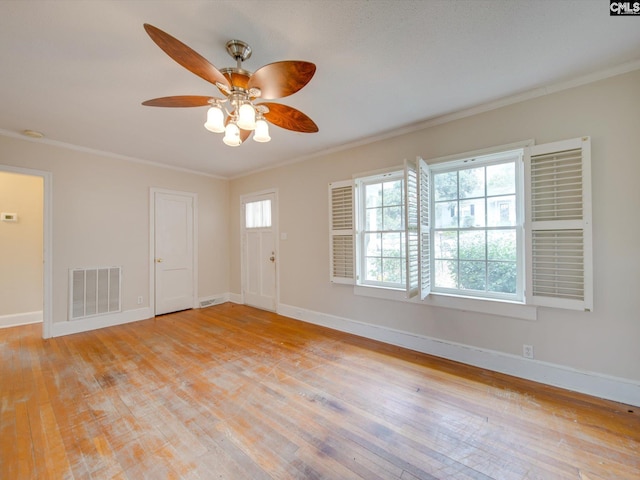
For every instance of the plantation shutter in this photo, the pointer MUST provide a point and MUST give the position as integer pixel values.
(411, 221)
(341, 227)
(424, 228)
(558, 212)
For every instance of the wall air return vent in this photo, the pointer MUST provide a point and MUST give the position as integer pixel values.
(94, 291)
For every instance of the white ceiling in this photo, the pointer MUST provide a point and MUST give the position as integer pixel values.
(78, 70)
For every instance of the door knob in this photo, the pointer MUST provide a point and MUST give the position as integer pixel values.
(158, 260)
(272, 258)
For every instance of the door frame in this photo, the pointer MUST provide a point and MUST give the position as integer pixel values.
(47, 254)
(152, 244)
(276, 240)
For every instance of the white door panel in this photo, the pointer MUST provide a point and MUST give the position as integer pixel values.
(268, 265)
(259, 256)
(174, 286)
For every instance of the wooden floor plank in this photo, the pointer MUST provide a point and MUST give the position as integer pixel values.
(235, 393)
(24, 455)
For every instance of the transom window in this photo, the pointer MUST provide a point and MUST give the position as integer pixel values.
(257, 214)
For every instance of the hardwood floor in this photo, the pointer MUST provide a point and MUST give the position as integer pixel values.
(237, 393)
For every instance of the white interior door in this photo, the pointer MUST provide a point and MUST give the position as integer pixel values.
(174, 252)
(259, 251)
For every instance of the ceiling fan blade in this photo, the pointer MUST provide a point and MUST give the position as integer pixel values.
(281, 79)
(288, 117)
(185, 56)
(179, 101)
(244, 134)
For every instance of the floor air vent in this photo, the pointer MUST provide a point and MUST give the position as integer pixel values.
(94, 291)
(208, 303)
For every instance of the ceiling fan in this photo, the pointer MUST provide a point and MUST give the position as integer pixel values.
(237, 114)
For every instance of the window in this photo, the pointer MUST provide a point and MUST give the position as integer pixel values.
(258, 214)
(477, 228)
(458, 227)
(381, 231)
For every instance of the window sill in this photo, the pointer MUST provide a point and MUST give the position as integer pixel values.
(381, 292)
(478, 305)
(490, 306)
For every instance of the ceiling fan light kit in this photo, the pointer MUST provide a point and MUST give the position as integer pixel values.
(237, 115)
(215, 119)
(261, 133)
(232, 135)
(247, 116)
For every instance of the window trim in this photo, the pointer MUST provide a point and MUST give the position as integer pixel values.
(433, 162)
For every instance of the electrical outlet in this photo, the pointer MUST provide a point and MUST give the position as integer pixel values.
(140, 300)
(527, 351)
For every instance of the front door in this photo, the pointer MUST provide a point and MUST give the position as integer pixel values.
(174, 252)
(259, 251)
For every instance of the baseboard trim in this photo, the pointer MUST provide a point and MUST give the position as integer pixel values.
(591, 383)
(69, 327)
(17, 319)
(236, 298)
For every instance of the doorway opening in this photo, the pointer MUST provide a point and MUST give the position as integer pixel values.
(29, 278)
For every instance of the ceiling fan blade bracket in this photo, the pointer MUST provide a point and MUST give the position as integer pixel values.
(262, 108)
(223, 88)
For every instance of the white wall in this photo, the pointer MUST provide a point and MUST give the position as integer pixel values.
(21, 245)
(101, 218)
(604, 341)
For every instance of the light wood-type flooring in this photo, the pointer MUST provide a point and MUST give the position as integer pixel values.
(231, 392)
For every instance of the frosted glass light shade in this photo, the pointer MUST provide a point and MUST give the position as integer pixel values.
(232, 135)
(246, 117)
(262, 131)
(215, 120)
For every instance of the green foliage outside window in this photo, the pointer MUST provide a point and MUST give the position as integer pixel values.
(498, 274)
(384, 232)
